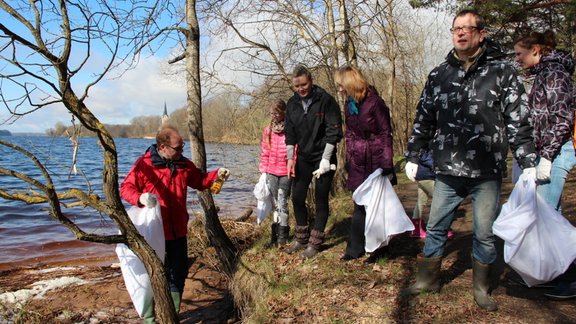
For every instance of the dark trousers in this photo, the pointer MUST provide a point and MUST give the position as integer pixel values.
(357, 239)
(300, 186)
(176, 263)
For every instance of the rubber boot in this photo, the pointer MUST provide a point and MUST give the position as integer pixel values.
(176, 298)
(428, 276)
(417, 232)
(148, 312)
(301, 236)
(273, 236)
(481, 281)
(283, 233)
(316, 239)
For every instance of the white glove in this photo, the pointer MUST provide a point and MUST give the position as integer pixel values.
(224, 173)
(148, 199)
(543, 169)
(324, 167)
(411, 169)
(529, 173)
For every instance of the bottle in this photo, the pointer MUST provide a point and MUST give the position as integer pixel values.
(217, 185)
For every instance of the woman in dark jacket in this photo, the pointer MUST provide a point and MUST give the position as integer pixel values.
(368, 144)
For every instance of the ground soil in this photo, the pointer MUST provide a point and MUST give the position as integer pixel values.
(206, 300)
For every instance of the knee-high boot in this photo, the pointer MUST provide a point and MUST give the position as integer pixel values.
(428, 277)
(481, 282)
(273, 236)
(148, 312)
(283, 234)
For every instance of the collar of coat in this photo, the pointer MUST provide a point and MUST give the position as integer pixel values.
(159, 161)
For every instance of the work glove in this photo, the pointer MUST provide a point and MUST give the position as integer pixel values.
(411, 169)
(529, 173)
(543, 169)
(223, 173)
(148, 199)
(324, 167)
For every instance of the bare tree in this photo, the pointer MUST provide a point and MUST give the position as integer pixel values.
(46, 47)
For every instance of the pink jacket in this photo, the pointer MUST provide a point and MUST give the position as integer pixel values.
(273, 156)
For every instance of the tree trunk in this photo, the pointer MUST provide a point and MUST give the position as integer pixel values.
(216, 235)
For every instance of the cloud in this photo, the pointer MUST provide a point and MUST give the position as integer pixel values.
(140, 91)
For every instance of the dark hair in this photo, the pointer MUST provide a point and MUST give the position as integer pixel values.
(546, 40)
(300, 70)
(480, 21)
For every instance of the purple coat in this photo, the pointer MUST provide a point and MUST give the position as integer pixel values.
(368, 140)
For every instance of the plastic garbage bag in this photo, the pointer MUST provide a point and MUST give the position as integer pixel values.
(539, 243)
(385, 215)
(264, 198)
(148, 222)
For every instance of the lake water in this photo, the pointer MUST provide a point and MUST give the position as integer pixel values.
(29, 236)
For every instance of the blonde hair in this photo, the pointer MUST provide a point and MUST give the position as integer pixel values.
(353, 82)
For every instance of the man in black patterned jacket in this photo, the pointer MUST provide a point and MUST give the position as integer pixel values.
(472, 108)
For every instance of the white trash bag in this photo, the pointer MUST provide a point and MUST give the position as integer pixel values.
(264, 198)
(385, 215)
(148, 222)
(539, 243)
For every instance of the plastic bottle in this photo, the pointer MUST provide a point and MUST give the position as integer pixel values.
(217, 185)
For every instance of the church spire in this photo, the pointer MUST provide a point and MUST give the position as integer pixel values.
(165, 117)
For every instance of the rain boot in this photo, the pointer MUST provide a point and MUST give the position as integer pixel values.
(428, 276)
(316, 239)
(417, 232)
(273, 236)
(481, 281)
(148, 312)
(176, 298)
(301, 236)
(283, 234)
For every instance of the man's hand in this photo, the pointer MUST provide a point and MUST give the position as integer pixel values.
(223, 173)
(148, 200)
(411, 169)
(543, 169)
(324, 167)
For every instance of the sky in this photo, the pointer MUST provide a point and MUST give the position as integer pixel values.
(141, 91)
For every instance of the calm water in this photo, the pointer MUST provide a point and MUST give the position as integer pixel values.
(29, 236)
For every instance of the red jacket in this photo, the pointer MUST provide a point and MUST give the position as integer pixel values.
(150, 173)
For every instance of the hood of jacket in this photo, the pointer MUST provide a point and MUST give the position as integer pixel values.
(558, 57)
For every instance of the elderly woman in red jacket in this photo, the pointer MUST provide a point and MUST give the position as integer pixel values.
(368, 144)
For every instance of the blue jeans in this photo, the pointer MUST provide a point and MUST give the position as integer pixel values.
(551, 190)
(449, 192)
(280, 189)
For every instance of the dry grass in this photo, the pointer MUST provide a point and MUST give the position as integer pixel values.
(272, 286)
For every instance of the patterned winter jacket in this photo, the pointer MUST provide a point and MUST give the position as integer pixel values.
(551, 103)
(472, 117)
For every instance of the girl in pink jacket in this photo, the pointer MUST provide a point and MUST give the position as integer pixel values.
(273, 161)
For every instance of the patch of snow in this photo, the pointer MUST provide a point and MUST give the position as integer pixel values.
(39, 288)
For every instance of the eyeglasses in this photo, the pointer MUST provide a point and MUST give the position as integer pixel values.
(466, 29)
(177, 149)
